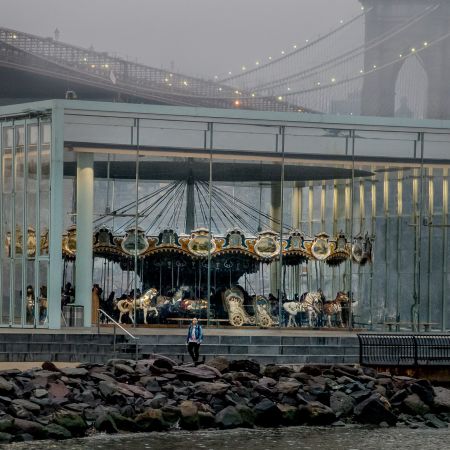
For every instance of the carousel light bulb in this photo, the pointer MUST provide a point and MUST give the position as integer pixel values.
(244, 68)
(257, 63)
(341, 21)
(236, 92)
(166, 80)
(294, 46)
(185, 82)
(229, 73)
(318, 83)
(361, 71)
(270, 58)
(253, 95)
(306, 40)
(288, 88)
(282, 52)
(280, 98)
(333, 80)
(362, 8)
(425, 44)
(237, 102)
(401, 56)
(106, 66)
(374, 66)
(413, 50)
(216, 77)
(220, 89)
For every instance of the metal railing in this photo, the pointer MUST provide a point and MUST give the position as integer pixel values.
(115, 325)
(411, 350)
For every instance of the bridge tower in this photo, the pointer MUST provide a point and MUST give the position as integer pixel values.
(378, 95)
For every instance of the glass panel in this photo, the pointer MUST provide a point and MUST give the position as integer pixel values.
(30, 299)
(43, 300)
(19, 297)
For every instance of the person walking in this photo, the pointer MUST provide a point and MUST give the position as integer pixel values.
(194, 339)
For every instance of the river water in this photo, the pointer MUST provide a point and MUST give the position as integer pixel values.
(346, 438)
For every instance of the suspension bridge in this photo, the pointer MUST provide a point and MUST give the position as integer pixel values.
(390, 59)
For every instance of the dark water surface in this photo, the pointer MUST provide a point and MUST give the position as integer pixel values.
(348, 438)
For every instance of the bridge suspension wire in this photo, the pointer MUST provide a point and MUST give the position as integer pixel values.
(289, 55)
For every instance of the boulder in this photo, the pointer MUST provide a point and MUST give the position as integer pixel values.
(267, 413)
(199, 373)
(375, 409)
(124, 423)
(433, 422)
(216, 388)
(424, 390)
(6, 425)
(228, 418)
(151, 420)
(58, 390)
(220, 363)
(442, 399)
(341, 404)
(288, 387)
(171, 414)
(245, 365)
(26, 426)
(105, 422)
(74, 372)
(289, 414)
(72, 422)
(414, 405)
(189, 415)
(6, 385)
(5, 438)
(275, 372)
(206, 419)
(247, 415)
(30, 406)
(120, 369)
(57, 432)
(314, 371)
(48, 365)
(316, 413)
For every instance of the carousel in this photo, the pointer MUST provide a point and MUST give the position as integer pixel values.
(210, 275)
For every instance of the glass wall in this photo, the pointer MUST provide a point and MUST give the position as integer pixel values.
(230, 220)
(25, 167)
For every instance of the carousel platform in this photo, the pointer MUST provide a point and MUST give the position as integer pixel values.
(276, 346)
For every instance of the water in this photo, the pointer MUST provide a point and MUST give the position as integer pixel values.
(348, 438)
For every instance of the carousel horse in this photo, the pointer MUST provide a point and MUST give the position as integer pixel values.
(143, 302)
(310, 304)
(334, 307)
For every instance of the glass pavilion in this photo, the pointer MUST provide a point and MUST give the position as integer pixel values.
(148, 172)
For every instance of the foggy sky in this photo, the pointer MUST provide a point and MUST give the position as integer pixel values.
(199, 37)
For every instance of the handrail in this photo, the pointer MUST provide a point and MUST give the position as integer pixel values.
(116, 324)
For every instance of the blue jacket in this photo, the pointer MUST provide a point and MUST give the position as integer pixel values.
(198, 333)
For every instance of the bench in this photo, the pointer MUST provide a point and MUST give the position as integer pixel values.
(183, 320)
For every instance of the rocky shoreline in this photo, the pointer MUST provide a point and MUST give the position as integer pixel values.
(157, 394)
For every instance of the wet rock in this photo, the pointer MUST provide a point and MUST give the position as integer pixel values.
(105, 422)
(158, 402)
(442, 399)
(433, 422)
(54, 431)
(206, 419)
(341, 404)
(5, 438)
(413, 404)
(171, 414)
(375, 409)
(228, 418)
(216, 388)
(26, 426)
(289, 415)
(189, 415)
(72, 422)
(316, 413)
(247, 415)
(124, 423)
(267, 413)
(151, 420)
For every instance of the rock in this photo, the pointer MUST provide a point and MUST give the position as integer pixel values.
(19, 411)
(171, 414)
(6, 425)
(6, 385)
(161, 361)
(267, 413)
(124, 423)
(288, 387)
(432, 421)
(398, 397)
(5, 437)
(74, 372)
(424, 390)
(316, 413)
(159, 401)
(137, 390)
(151, 420)
(220, 363)
(39, 393)
(153, 387)
(30, 406)
(72, 422)
(442, 399)
(314, 371)
(247, 415)
(49, 366)
(414, 405)
(28, 427)
(105, 422)
(375, 409)
(54, 431)
(206, 419)
(275, 372)
(228, 418)
(216, 388)
(245, 365)
(289, 414)
(341, 404)
(199, 373)
(123, 369)
(189, 415)
(58, 390)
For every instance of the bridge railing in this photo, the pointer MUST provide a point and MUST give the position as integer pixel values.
(407, 350)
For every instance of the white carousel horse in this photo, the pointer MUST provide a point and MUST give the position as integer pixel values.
(311, 305)
(335, 308)
(143, 302)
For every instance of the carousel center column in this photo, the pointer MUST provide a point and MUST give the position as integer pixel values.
(85, 213)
